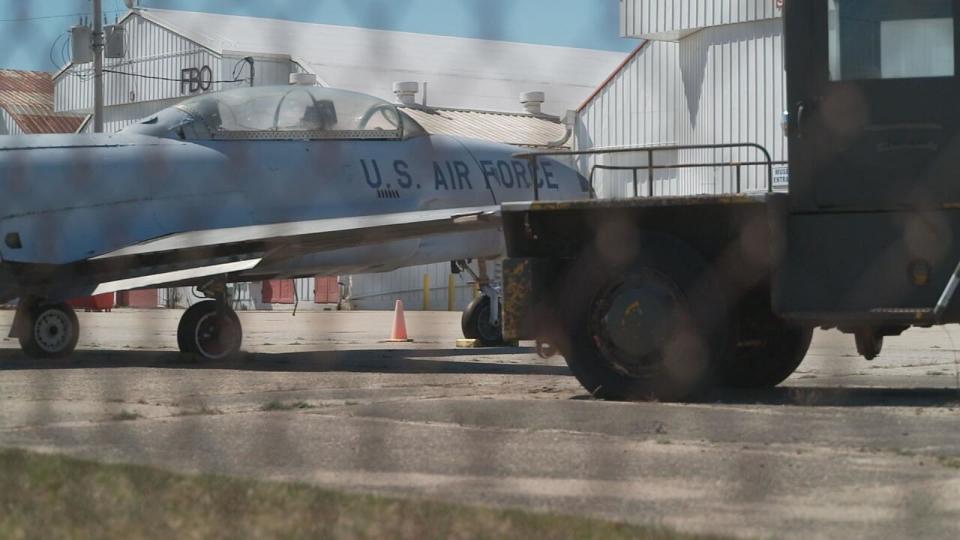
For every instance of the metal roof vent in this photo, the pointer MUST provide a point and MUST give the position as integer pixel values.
(533, 102)
(406, 92)
(303, 79)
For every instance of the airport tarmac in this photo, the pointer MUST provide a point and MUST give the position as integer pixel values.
(846, 448)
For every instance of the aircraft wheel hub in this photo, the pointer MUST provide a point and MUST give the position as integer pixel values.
(633, 320)
(217, 336)
(53, 330)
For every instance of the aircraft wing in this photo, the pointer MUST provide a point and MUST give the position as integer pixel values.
(190, 256)
(299, 238)
(165, 278)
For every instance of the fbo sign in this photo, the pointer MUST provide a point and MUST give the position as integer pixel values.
(193, 80)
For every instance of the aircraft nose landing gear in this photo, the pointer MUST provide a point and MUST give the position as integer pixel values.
(210, 329)
(47, 330)
(481, 319)
(476, 323)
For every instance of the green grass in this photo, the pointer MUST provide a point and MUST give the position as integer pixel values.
(126, 416)
(57, 497)
(950, 462)
(202, 411)
(284, 406)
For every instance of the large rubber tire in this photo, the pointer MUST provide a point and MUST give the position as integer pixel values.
(475, 323)
(50, 331)
(767, 355)
(209, 333)
(652, 329)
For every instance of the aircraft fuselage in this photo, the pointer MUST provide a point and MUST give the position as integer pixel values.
(68, 198)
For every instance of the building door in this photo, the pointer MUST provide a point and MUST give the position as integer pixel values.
(872, 88)
(278, 291)
(327, 290)
(100, 302)
(141, 299)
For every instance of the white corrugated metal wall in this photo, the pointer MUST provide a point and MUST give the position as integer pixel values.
(735, 89)
(722, 84)
(269, 70)
(637, 107)
(679, 17)
(381, 291)
(118, 117)
(156, 55)
(152, 51)
(7, 125)
(462, 72)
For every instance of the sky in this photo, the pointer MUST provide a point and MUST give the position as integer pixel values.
(33, 32)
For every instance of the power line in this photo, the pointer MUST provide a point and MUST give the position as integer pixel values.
(53, 47)
(64, 16)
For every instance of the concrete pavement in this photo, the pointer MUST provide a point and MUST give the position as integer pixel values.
(845, 448)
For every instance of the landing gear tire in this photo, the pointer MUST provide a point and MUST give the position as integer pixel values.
(476, 324)
(652, 330)
(212, 332)
(768, 359)
(50, 331)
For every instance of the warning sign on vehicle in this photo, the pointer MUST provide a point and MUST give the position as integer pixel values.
(781, 177)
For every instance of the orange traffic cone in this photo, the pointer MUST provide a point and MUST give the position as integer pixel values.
(399, 334)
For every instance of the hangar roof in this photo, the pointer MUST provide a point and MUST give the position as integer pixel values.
(27, 96)
(520, 129)
(462, 72)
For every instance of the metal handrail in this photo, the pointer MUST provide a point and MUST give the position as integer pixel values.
(650, 167)
(738, 165)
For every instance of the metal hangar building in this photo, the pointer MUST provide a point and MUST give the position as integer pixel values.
(707, 72)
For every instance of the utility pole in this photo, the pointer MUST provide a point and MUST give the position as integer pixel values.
(98, 66)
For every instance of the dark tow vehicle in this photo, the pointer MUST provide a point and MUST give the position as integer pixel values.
(660, 298)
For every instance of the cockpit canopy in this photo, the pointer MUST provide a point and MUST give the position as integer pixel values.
(288, 112)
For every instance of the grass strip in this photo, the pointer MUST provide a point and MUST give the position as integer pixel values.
(44, 496)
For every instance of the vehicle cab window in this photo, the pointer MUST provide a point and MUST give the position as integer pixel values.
(290, 112)
(891, 39)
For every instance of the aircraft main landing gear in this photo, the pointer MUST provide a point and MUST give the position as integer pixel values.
(46, 330)
(481, 319)
(210, 329)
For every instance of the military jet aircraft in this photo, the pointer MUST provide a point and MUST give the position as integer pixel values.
(243, 185)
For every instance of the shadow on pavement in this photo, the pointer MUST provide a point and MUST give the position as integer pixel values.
(432, 361)
(445, 361)
(838, 397)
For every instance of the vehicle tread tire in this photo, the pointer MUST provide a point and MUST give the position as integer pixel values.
(770, 364)
(667, 256)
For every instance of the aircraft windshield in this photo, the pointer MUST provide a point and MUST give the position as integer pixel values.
(291, 112)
